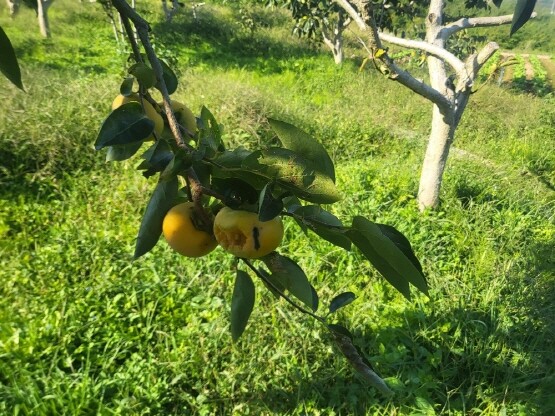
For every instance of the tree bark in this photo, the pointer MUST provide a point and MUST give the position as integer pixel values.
(437, 151)
(13, 6)
(42, 16)
(336, 47)
(333, 37)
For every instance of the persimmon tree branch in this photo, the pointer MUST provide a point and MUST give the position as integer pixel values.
(343, 342)
(367, 25)
(143, 29)
(474, 22)
(283, 295)
(423, 46)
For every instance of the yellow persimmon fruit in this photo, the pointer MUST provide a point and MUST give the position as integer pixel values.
(184, 115)
(150, 112)
(182, 235)
(241, 233)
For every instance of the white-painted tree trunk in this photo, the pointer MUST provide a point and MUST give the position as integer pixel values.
(448, 91)
(13, 7)
(443, 123)
(42, 16)
(435, 159)
(336, 47)
(333, 37)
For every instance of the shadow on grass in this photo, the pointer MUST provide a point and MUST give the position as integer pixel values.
(220, 43)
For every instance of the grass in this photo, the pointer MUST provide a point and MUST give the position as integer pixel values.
(86, 330)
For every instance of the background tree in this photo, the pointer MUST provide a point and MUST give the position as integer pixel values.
(451, 78)
(327, 20)
(41, 9)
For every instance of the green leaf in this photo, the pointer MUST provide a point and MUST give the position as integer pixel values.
(523, 12)
(315, 299)
(291, 276)
(156, 159)
(497, 3)
(402, 244)
(276, 288)
(340, 329)
(181, 161)
(126, 87)
(235, 191)
(385, 256)
(323, 223)
(144, 74)
(302, 143)
(343, 299)
(269, 207)
(344, 341)
(151, 226)
(242, 304)
(8, 61)
(126, 124)
(170, 78)
(122, 152)
(210, 133)
(293, 173)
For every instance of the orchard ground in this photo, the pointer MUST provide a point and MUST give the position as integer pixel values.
(86, 330)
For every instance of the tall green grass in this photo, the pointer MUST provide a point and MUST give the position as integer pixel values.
(86, 330)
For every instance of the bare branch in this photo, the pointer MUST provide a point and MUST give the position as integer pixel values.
(394, 72)
(472, 66)
(474, 22)
(433, 50)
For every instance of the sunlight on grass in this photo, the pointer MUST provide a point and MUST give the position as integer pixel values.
(84, 329)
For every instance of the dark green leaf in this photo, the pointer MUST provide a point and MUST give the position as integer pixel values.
(242, 303)
(402, 244)
(144, 75)
(228, 166)
(126, 124)
(126, 87)
(293, 173)
(169, 78)
(156, 159)
(385, 256)
(181, 161)
(302, 143)
(269, 207)
(315, 299)
(291, 276)
(210, 133)
(344, 341)
(340, 329)
(8, 61)
(324, 224)
(523, 12)
(273, 284)
(159, 154)
(235, 191)
(497, 3)
(122, 152)
(151, 226)
(343, 299)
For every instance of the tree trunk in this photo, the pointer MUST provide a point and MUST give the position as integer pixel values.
(42, 15)
(443, 121)
(336, 47)
(13, 6)
(439, 143)
(333, 36)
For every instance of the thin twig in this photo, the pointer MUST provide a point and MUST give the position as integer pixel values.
(287, 298)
